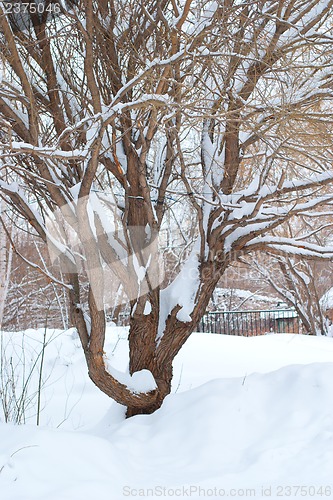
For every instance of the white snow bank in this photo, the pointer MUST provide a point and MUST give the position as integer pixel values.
(266, 425)
(233, 356)
(267, 430)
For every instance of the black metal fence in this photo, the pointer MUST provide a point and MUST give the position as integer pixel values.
(250, 323)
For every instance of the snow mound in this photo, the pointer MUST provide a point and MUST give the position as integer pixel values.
(261, 431)
(248, 418)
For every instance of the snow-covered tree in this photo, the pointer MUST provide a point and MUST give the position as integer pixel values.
(300, 279)
(295, 280)
(6, 254)
(31, 299)
(115, 112)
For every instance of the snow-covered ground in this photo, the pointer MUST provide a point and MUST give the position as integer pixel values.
(248, 418)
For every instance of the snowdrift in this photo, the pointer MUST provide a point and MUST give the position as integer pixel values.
(255, 432)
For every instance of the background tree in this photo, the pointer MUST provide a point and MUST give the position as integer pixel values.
(112, 108)
(297, 281)
(6, 255)
(30, 295)
(302, 280)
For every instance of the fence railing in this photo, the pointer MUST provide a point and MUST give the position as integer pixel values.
(250, 323)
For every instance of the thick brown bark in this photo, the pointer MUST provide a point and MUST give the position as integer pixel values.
(142, 345)
(147, 353)
(114, 389)
(93, 345)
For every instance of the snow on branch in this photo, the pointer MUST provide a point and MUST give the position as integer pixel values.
(291, 246)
